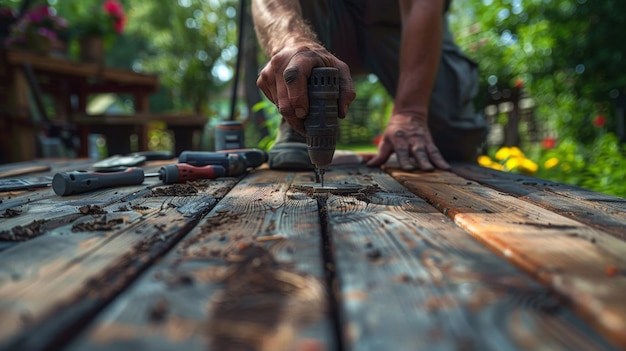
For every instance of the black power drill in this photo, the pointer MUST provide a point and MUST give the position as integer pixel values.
(321, 124)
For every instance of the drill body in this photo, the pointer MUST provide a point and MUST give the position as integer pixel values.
(321, 124)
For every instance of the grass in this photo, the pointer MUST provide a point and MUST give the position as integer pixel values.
(369, 148)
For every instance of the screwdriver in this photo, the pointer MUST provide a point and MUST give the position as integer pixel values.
(81, 181)
(181, 172)
(235, 162)
(76, 182)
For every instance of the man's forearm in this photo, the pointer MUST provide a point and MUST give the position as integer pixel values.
(279, 23)
(420, 51)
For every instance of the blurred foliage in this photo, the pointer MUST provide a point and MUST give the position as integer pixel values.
(600, 165)
(190, 44)
(569, 56)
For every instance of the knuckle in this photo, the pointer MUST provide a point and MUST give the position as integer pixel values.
(291, 74)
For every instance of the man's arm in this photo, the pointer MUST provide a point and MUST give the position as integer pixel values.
(407, 133)
(284, 17)
(294, 51)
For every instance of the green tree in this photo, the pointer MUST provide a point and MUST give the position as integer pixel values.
(190, 44)
(569, 54)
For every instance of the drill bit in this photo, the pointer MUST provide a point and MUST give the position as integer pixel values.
(321, 123)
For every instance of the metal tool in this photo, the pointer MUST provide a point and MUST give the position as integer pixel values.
(76, 182)
(13, 184)
(181, 172)
(235, 162)
(321, 124)
(135, 159)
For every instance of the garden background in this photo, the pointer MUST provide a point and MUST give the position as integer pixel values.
(552, 78)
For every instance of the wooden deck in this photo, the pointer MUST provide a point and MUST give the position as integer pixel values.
(466, 260)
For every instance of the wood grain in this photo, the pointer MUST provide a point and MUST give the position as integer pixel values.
(411, 279)
(80, 266)
(568, 256)
(249, 276)
(604, 212)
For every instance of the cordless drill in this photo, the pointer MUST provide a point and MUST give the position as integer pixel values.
(321, 124)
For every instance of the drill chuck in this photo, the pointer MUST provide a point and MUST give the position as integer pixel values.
(321, 124)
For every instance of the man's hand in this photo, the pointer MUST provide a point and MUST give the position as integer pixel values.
(408, 136)
(284, 81)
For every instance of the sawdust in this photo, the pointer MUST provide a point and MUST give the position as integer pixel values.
(92, 210)
(100, 224)
(184, 189)
(11, 212)
(23, 233)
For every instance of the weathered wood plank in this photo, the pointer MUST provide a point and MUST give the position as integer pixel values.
(411, 279)
(74, 269)
(248, 277)
(27, 214)
(601, 211)
(583, 264)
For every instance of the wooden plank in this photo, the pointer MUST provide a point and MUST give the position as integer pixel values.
(601, 211)
(73, 270)
(248, 277)
(22, 168)
(81, 69)
(583, 264)
(411, 279)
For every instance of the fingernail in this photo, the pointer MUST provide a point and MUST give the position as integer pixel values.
(300, 112)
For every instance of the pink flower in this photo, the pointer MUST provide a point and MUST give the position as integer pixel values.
(599, 121)
(114, 8)
(119, 24)
(35, 17)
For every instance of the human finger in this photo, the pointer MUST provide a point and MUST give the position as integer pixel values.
(297, 89)
(420, 156)
(347, 93)
(267, 84)
(384, 151)
(436, 157)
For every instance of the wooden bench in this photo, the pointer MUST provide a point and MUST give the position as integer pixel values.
(117, 129)
(471, 259)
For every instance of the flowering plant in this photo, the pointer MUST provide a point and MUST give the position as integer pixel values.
(39, 29)
(105, 22)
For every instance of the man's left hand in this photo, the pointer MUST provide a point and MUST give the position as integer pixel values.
(408, 136)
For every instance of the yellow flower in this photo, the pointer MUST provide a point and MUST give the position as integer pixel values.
(512, 163)
(503, 153)
(551, 162)
(529, 166)
(484, 161)
(515, 152)
(497, 166)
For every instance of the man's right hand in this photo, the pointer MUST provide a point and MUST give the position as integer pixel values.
(284, 80)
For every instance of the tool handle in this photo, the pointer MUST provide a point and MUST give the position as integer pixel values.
(234, 163)
(181, 172)
(76, 182)
(203, 158)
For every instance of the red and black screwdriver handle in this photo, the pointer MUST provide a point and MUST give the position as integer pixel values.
(181, 172)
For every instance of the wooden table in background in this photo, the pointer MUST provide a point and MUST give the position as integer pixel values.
(70, 83)
(467, 260)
